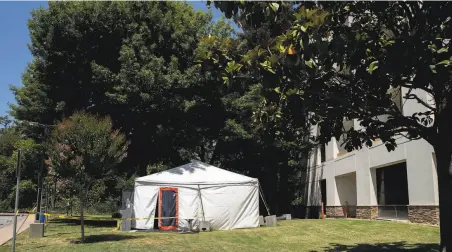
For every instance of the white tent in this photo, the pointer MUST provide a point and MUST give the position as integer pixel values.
(196, 192)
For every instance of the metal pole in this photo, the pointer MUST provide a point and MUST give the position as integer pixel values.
(38, 207)
(19, 154)
(261, 193)
(202, 206)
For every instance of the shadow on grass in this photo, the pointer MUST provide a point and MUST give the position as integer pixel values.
(94, 223)
(105, 238)
(396, 247)
(61, 233)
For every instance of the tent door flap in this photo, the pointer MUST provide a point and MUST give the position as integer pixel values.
(168, 208)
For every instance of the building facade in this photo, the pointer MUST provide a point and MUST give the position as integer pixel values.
(372, 183)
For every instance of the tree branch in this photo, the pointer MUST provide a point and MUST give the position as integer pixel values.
(419, 100)
(409, 13)
(426, 89)
(408, 124)
(401, 132)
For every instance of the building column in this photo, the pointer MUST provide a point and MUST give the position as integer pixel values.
(333, 207)
(367, 206)
(331, 149)
(422, 183)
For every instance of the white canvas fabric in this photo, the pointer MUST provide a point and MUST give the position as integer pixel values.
(229, 200)
(197, 173)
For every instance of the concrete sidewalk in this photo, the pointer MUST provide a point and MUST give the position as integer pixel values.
(23, 224)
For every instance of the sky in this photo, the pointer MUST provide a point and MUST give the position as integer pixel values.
(14, 53)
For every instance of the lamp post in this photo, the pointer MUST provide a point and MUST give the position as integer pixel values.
(19, 160)
(38, 205)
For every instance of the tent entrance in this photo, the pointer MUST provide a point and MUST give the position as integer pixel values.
(168, 208)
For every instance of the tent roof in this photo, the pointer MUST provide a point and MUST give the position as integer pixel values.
(196, 172)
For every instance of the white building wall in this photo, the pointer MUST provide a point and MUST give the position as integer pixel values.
(365, 179)
(418, 155)
(421, 172)
(422, 178)
(346, 189)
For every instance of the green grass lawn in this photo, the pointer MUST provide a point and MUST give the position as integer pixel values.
(294, 235)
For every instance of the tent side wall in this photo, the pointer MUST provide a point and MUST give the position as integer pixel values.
(225, 206)
(144, 203)
(231, 206)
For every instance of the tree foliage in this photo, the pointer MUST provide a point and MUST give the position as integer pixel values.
(5, 121)
(348, 60)
(85, 150)
(10, 142)
(136, 62)
(126, 60)
(280, 146)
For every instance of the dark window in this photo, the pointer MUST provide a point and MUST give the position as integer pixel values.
(392, 185)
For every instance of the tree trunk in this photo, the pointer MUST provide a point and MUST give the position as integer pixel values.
(82, 221)
(272, 181)
(53, 198)
(70, 202)
(213, 158)
(443, 154)
(273, 188)
(443, 151)
(283, 189)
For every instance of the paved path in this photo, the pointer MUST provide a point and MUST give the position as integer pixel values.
(6, 226)
(7, 219)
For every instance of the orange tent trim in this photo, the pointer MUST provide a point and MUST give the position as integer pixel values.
(166, 228)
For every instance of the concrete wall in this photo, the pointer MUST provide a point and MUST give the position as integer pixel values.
(421, 172)
(346, 189)
(418, 155)
(351, 176)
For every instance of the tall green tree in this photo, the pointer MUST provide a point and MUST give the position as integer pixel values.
(5, 121)
(129, 60)
(86, 150)
(278, 146)
(10, 141)
(135, 62)
(344, 59)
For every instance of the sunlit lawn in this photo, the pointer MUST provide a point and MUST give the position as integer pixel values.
(294, 235)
